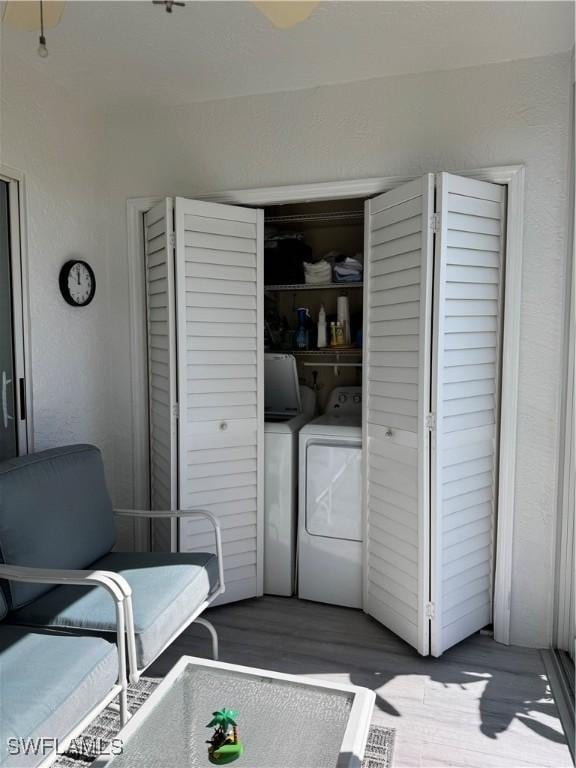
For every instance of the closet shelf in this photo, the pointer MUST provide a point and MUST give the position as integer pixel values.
(313, 218)
(326, 352)
(336, 364)
(312, 287)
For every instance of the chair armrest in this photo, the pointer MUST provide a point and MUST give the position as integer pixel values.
(115, 584)
(176, 513)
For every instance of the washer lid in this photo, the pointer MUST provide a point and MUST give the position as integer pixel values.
(281, 389)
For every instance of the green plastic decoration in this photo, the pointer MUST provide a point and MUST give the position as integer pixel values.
(225, 745)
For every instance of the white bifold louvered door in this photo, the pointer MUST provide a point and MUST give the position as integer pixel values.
(465, 395)
(434, 272)
(219, 310)
(161, 319)
(397, 348)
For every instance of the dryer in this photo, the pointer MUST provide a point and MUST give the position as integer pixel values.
(330, 524)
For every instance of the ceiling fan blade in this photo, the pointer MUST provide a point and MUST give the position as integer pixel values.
(285, 13)
(25, 14)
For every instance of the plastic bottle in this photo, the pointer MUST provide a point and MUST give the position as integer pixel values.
(336, 335)
(344, 319)
(339, 335)
(302, 333)
(322, 340)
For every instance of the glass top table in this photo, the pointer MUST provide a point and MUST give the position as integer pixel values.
(283, 721)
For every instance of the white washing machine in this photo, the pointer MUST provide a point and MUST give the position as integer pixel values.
(331, 519)
(287, 408)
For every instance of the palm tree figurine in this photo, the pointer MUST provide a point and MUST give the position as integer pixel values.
(225, 746)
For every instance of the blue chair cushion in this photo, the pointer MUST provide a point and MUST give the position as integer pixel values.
(166, 589)
(55, 512)
(48, 683)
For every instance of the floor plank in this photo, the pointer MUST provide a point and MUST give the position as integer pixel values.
(481, 705)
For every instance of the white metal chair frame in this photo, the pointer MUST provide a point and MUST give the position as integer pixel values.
(135, 672)
(119, 589)
(121, 593)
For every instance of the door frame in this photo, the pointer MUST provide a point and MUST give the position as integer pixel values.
(564, 630)
(20, 303)
(513, 176)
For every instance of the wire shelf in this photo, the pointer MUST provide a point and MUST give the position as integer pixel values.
(326, 352)
(313, 287)
(316, 218)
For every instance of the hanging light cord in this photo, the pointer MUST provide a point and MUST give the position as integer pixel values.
(42, 49)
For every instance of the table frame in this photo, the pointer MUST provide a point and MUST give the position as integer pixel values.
(355, 735)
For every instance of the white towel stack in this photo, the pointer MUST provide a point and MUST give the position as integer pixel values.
(317, 273)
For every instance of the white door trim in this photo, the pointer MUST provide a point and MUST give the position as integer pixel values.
(21, 301)
(513, 177)
(564, 636)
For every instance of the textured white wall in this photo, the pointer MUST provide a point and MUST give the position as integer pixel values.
(58, 146)
(469, 118)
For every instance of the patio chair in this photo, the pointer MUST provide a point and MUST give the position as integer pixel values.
(52, 684)
(55, 512)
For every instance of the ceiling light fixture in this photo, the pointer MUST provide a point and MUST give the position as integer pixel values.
(42, 48)
(285, 14)
(168, 4)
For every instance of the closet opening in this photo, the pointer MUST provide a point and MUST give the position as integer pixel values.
(313, 328)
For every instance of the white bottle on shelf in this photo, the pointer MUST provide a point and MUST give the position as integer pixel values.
(322, 340)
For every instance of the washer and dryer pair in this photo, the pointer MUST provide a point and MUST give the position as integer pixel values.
(312, 489)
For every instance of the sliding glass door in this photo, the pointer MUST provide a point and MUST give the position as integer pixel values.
(8, 422)
(13, 417)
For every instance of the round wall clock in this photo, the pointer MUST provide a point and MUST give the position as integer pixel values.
(77, 283)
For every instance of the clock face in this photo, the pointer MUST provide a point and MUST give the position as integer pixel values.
(77, 283)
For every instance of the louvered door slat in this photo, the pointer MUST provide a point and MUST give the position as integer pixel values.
(158, 226)
(219, 274)
(396, 383)
(465, 385)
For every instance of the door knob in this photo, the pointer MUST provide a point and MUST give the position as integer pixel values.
(223, 426)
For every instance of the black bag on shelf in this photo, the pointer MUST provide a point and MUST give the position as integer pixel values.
(283, 257)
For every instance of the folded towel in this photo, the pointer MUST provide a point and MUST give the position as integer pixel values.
(319, 272)
(318, 266)
(349, 265)
(354, 277)
(349, 270)
(318, 279)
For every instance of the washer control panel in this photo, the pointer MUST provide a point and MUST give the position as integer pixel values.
(345, 400)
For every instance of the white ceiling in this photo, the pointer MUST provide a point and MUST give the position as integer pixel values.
(133, 53)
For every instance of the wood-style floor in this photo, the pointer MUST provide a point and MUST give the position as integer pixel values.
(482, 705)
